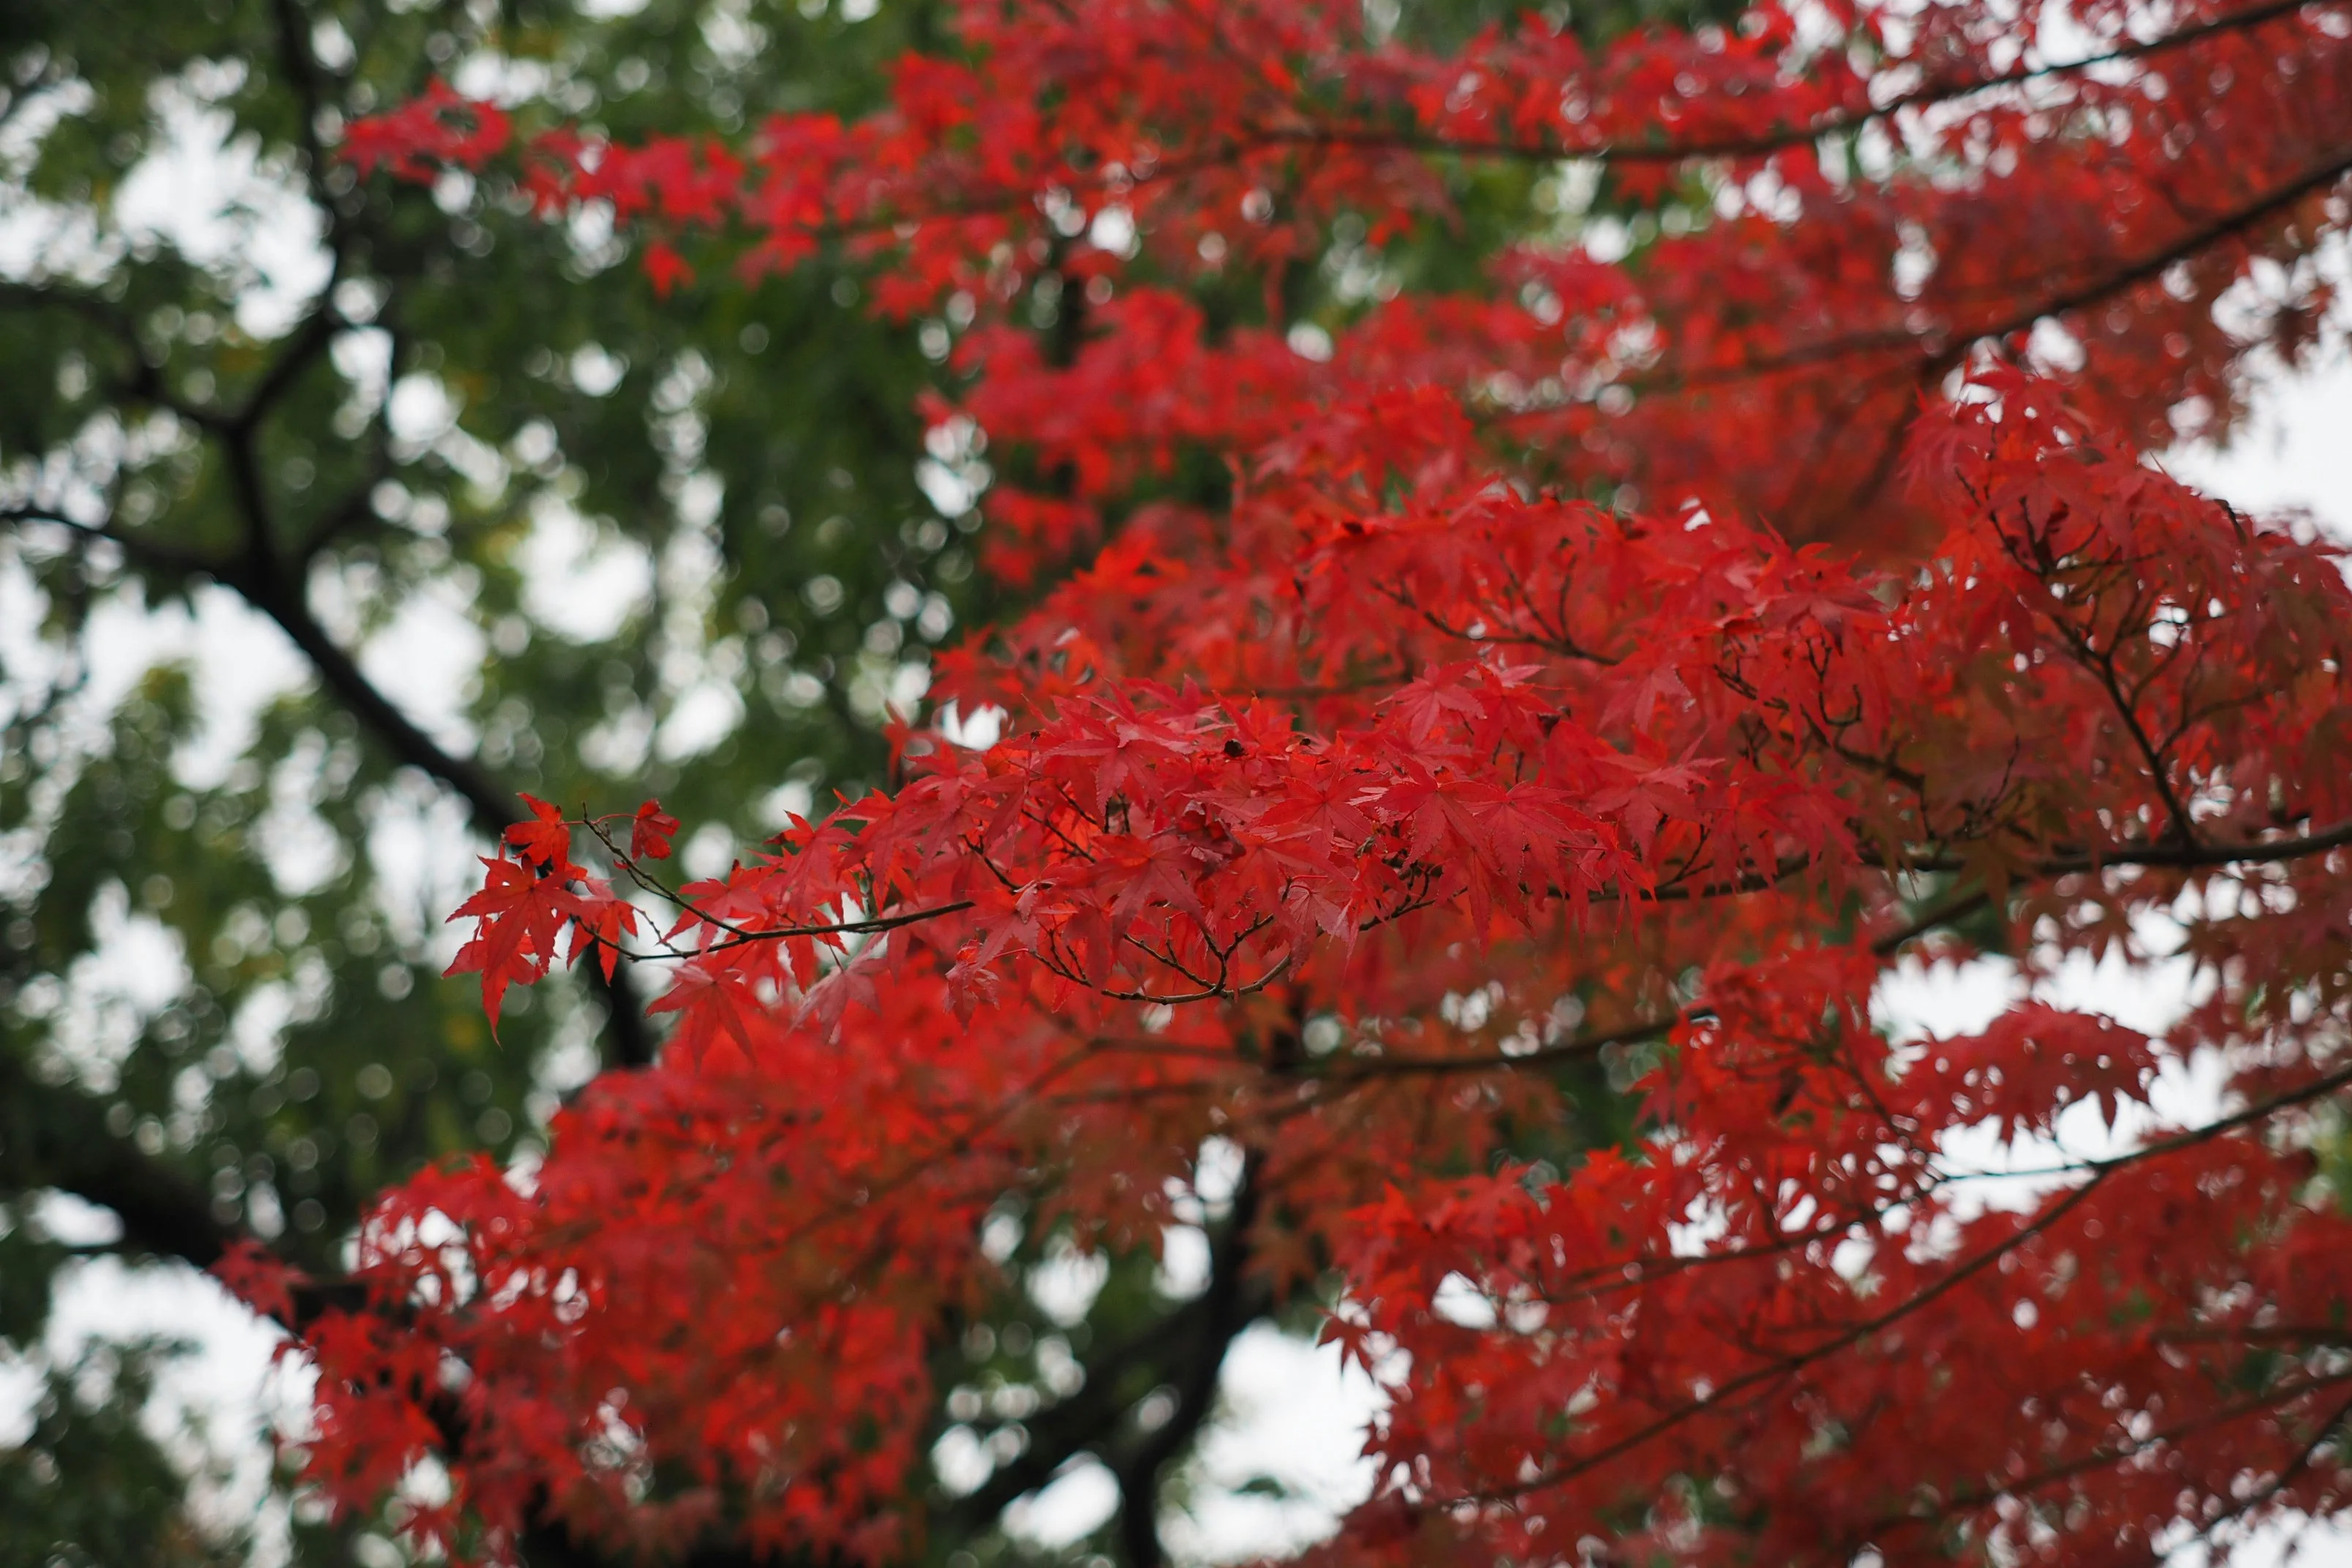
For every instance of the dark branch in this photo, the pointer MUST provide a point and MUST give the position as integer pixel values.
(1227, 1304)
(1087, 1418)
(1666, 151)
(58, 1137)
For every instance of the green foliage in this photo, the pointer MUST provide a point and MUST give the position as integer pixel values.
(89, 1488)
(743, 457)
(741, 460)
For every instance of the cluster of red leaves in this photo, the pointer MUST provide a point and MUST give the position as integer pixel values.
(1887, 188)
(1404, 749)
(531, 901)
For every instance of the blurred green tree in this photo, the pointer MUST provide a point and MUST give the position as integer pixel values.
(249, 403)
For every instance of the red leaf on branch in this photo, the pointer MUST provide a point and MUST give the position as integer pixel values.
(650, 831)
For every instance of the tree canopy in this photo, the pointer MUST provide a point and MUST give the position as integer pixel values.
(1529, 559)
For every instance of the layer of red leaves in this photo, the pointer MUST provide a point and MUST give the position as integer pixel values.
(1486, 783)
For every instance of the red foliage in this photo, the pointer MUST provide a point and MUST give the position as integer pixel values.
(1483, 781)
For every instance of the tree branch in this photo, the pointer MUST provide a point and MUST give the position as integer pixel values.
(1226, 1312)
(1761, 145)
(1072, 1425)
(1961, 338)
(165, 557)
(57, 1137)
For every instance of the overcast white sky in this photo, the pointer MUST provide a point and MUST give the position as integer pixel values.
(1292, 1415)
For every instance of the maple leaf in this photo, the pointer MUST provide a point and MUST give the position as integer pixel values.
(518, 915)
(600, 920)
(545, 840)
(665, 269)
(259, 1277)
(1437, 698)
(650, 831)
